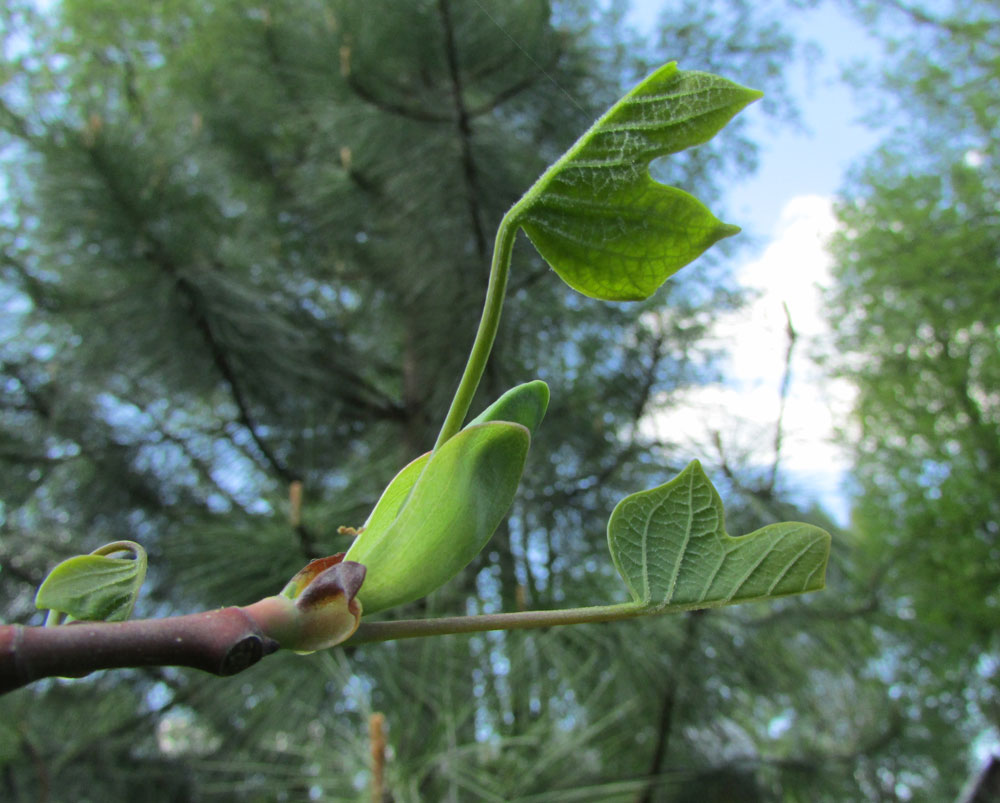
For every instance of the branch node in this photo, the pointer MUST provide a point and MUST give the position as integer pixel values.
(245, 653)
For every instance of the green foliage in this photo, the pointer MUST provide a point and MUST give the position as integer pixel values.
(95, 586)
(914, 309)
(598, 217)
(244, 247)
(455, 505)
(670, 546)
(434, 518)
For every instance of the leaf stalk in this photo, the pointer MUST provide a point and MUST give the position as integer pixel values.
(523, 620)
(486, 334)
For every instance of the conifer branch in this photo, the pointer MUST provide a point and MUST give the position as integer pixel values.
(665, 724)
(462, 120)
(391, 107)
(504, 95)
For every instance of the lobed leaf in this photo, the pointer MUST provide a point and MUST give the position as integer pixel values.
(597, 216)
(670, 546)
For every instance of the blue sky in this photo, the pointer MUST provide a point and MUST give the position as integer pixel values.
(814, 159)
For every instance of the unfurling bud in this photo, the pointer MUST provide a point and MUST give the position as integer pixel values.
(317, 609)
(441, 509)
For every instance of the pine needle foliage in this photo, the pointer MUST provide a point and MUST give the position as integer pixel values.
(245, 247)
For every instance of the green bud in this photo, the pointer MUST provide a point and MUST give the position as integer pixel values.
(317, 609)
(440, 510)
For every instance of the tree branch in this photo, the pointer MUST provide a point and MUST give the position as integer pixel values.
(667, 706)
(317, 610)
(223, 642)
(158, 254)
(952, 25)
(14, 123)
(786, 380)
(388, 106)
(504, 95)
(464, 130)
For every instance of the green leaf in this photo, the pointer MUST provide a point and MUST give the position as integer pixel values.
(95, 587)
(456, 504)
(395, 495)
(670, 546)
(597, 216)
(524, 404)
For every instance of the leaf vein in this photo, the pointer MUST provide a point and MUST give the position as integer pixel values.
(684, 545)
(749, 573)
(790, 565)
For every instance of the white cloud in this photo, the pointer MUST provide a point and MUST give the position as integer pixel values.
(791, 271)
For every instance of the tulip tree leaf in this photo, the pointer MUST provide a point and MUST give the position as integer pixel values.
(461, 496)
(670, 546)
(597, 216)
(95, 587)
(395, 495)
(524, 404)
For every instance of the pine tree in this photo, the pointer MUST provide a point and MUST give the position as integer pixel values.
(915, 311)
(244, 251)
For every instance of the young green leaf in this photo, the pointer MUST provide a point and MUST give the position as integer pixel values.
(670, 546)
(96, 586)
(523, 404)
(458, 501)
(597, 216)
(394, 496)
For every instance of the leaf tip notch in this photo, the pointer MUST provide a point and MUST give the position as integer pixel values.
(599, 218)
(671, 548)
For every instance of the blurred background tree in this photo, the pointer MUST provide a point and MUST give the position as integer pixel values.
(915, 308)
(244, 248)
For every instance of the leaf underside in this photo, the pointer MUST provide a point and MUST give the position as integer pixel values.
(670, 546)
(597, 216)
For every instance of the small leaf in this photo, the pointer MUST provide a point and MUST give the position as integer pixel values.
(524, 404)
(670, 546)
(95, 587)
(394, 495)
(453, 509)
(597, 216)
